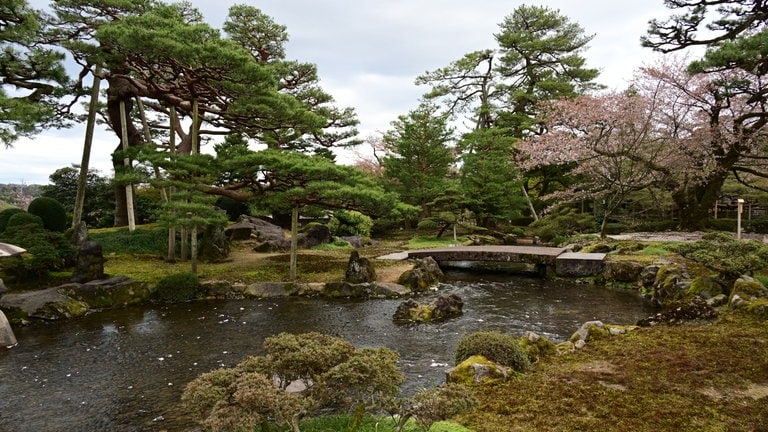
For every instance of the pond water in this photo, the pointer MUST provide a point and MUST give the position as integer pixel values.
(125, 370)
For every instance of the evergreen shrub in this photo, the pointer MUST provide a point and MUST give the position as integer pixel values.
(350, 223)
(498, 347)
(52, 213)
(46, 250)
(179, 287)
(6, 214)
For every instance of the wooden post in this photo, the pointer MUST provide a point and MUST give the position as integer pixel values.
(82, 181)
(172, 150)
(294, 241)
(127, 163)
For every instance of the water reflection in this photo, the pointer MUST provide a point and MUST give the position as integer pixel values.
(125, 370)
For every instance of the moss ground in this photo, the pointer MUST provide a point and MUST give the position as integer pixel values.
(695, 377)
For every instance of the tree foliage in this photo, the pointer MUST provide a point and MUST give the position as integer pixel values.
(419, 158)
(32, 75)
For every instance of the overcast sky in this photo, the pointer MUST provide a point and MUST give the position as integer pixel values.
(368, 53)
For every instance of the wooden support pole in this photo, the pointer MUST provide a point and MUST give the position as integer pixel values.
(127, 163)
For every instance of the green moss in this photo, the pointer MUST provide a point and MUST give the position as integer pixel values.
(538, 348)
(464, 372)
(758, 308)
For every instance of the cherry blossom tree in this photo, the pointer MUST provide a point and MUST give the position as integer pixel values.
(612, 142)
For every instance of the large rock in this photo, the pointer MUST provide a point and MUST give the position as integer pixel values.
(269, 289)
(425, 274)
(622, 271)
(478, 370)
(108, 293)
(214, 246)
(47, 304)
(359, 270)
(249, 227)
(750, 295)
(90, 263)
(7, 338)
(314, 235)
(442, 308)
(671, 285)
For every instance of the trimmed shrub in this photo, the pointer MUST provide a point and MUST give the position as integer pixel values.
(6, 214)
(47, 250)
(179, 287)
(23, 221)
(350, 223)
(52, 213)
(495, 346)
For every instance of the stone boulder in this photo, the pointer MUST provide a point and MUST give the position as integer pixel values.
(269, 289)
(707, 287)
(671, 284)
(314, 235)
(478, 370)
(90, 263)
(7, 338)
(622, 271)
(356, 241)
(749, 295)
(595, 330)
(47, 304)
(249, 227)
(440, 309)
(359, 270)
(107, 293)
(425, 274)
(214, 246)
(345, 290)
(79, 235)
(277, 245)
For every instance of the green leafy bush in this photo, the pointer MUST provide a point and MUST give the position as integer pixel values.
(498, 347)
(23, 221)
(179, 287)
(52, 213)
(350, 223)
(6, 214)
(723, 253)
(253, 394)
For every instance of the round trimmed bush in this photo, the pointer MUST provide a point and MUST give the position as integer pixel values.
(6, 214)
(20, 219)
(52, 213)
(179, 287)
(495, 346)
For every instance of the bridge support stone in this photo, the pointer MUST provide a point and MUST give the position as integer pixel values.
(574, 264)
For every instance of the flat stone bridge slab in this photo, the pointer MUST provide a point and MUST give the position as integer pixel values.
(548, 260)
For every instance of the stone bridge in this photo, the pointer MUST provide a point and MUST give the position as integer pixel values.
(548, 261)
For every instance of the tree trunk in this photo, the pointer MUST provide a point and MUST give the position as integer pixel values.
(294, 242)
(82, 181)
(121, 90)
(695, 201)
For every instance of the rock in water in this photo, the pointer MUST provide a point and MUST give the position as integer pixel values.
(7, 337)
